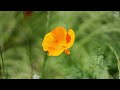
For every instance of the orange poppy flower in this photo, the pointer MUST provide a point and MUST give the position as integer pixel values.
(58, 40)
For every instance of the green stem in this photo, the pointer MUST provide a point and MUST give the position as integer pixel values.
(29, 54)
(45, 59)
(3, 66)
(0, 71)
(29, 46)
(43, 67)
(117, 58)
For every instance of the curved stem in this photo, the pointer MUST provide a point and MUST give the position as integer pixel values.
(117, 58)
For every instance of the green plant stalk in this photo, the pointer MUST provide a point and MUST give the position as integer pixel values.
(29, 54)
(117, 57)
(0, 71)
(44, 67)
(2, 64)
(29, 50)
(45, 59)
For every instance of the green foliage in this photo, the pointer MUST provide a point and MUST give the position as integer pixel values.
(94, 55)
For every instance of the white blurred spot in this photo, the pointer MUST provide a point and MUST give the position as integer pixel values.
(35, 76)
(116, 14)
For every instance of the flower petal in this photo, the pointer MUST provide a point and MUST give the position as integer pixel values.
(52, 51)
(70, 38)
(51, 45)
(59, 34)
(48, 41)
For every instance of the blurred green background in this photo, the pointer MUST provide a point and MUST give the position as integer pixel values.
(94, 55)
